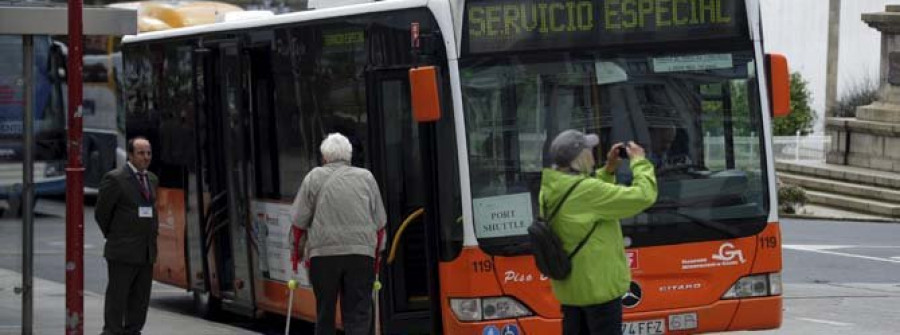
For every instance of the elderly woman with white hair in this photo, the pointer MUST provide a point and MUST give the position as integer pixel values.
(340, 210)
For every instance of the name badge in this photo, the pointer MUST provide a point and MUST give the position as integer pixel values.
(145, 212)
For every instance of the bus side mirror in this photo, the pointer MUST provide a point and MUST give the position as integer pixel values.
(426, 102)
(779, 85)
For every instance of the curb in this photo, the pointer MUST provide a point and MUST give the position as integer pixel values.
(839, 218)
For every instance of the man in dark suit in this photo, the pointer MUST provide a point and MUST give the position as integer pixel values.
(127, 216)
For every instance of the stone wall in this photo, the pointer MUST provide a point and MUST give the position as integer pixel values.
(874, 145)
(872, 138)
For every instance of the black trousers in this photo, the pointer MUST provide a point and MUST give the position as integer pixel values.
(127, 298)
(351, 276)
(602, 319)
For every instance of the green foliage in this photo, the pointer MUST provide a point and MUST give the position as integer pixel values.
(791, 198)
(802, 116)
(862, 93)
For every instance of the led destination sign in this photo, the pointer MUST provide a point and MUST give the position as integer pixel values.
(511, 25)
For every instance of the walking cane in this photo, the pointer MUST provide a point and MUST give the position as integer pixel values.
(377, 286)
(375, 289)
(292, 285)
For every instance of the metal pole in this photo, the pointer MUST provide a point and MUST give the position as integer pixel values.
(834, 38)
(74, 181)
(28, 189)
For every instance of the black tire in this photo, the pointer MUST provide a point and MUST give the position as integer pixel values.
(206, 305)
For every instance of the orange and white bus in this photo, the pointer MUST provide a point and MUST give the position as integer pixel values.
(236, 112)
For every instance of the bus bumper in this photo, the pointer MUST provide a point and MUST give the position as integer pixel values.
(725, 315)
(49, 179)
(50, 186)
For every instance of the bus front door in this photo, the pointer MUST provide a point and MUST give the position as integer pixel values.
(403, 176)
(225, 154)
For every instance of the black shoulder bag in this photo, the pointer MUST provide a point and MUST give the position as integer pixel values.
(549, 255)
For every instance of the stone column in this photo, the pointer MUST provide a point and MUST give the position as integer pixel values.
(872, 138)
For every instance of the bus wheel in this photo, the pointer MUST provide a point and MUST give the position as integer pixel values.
(206, 305)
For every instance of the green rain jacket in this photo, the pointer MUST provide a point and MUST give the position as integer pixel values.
(600, 272)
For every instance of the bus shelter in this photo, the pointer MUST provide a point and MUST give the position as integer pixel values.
(33, 125)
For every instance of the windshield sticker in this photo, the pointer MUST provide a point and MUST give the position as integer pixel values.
(632, 257)
(692, 63)
(504, 215)
(728, 255)
(609, 73)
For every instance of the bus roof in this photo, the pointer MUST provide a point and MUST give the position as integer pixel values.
(288, 18)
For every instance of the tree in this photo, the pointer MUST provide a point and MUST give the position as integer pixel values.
(861, 93)
(802, 116)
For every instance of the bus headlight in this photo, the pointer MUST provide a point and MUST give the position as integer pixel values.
(755, 286)
(502, 308)
(775, 283)
(466, 309)
(494, 308)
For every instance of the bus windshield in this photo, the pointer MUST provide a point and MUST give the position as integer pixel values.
(696, 114)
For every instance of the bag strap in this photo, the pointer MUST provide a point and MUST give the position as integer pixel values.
(584, 240)
(558, 206)
(561, 202)
(322, 190)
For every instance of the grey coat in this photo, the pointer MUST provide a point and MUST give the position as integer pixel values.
(348, 215)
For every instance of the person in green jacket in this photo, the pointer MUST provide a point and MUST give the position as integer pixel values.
(591, 295)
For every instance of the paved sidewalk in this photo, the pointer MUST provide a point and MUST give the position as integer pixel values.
(819, 212)
(49, 311)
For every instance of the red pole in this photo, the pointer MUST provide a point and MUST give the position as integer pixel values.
(74, 182)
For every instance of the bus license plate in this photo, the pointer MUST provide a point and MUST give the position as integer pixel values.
(648, 327)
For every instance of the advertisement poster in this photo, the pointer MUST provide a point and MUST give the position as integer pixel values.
(271, 232)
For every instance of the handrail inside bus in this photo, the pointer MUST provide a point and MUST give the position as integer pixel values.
(396, 240)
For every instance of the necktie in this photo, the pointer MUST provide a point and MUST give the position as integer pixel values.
(145, 190)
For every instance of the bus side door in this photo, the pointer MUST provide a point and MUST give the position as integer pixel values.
(404, 176)
(224, 172)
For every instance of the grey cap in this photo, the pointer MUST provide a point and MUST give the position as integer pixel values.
(569, 144)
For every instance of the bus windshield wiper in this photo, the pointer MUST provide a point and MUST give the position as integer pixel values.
(714, 225)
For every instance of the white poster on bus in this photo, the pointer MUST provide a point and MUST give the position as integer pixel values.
(271, 234)
(503, 215)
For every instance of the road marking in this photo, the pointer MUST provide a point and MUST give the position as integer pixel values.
(813, 247)
(827, 322)
(826, 249)
(840, 246)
